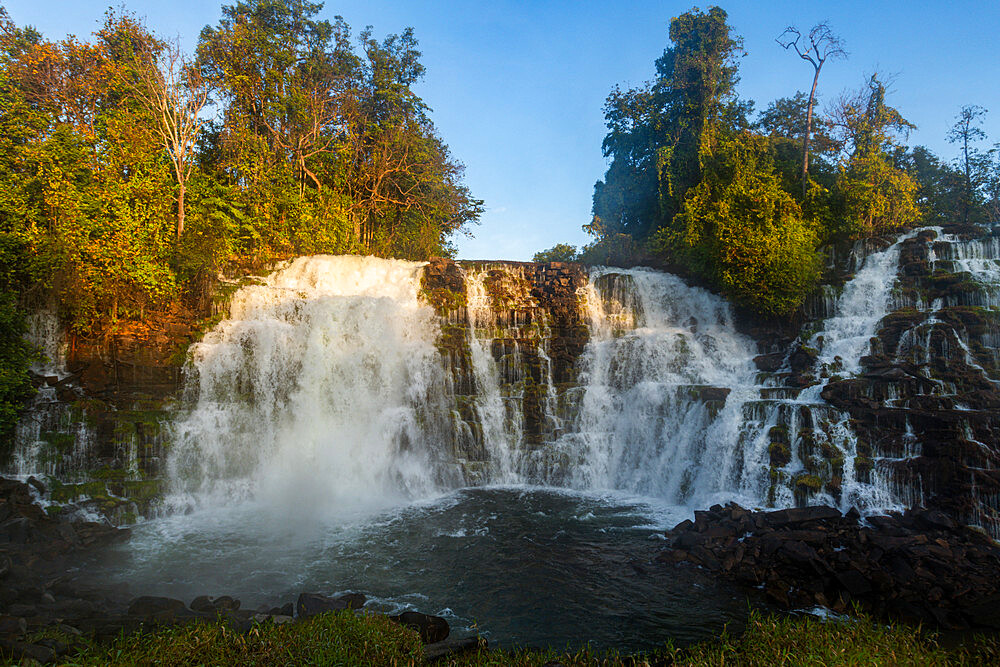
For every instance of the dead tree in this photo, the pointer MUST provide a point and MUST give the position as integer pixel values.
(816, 48)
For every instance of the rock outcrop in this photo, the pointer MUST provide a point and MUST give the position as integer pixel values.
(918, 566)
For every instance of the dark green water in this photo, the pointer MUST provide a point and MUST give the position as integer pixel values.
(523, 566)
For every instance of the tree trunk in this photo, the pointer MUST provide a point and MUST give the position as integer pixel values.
(967, 204)
(180, 209)
(805, 140)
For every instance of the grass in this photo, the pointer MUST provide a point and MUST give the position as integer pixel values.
(346, 639)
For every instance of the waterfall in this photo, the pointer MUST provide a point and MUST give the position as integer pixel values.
(324, 387)
(864, 301)
(333, 380)
(664, 380)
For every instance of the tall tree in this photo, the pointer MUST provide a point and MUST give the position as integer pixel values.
(876, 194)
(966, 131)
(659, 133)
(174, 93)
(815, 48)
(696, 79)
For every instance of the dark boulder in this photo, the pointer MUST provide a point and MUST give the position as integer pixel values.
(160, 608)
(432, 629)
(310, 604)
(206, 604)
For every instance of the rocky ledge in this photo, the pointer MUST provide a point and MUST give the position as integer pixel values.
(917, 566)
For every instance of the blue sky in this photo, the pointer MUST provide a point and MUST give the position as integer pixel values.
(517, 87)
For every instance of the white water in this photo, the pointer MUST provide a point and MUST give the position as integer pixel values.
(656, 346)
(862, 304)
(318, 392)
(325, 384)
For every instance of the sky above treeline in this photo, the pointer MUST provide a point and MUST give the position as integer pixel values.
(517, 88)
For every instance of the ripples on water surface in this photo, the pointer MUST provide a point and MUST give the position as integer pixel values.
(524, 566)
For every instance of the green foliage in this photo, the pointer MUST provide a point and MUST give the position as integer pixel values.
(320, 146)
(16, 354)
(561, 252)
(873, 194)
(657, 132)
(327, 639)
(613, 250)
(15, 357)
(739, 228)
(692, 181)
(346, 639)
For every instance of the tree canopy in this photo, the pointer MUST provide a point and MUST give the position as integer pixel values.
(750, 206)
(133, 173)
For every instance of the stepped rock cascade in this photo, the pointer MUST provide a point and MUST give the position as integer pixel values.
(662, 385)
(335, 373)
(354, 380)
(925, 403)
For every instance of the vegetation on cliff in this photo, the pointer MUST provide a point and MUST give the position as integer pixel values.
(131, 175)
(747, 205)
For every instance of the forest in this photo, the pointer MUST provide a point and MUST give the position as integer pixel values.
(131, 173)
(747, 203)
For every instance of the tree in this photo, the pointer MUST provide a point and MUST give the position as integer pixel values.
(784, 123)
(659, 132)
(174, 93)
(815, 48)
(966, 130)
(743, 232)
(561, 252)
(939, 186)
(875, 194)
(696, 79)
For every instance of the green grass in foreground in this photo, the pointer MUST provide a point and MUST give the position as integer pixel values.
(346, 639)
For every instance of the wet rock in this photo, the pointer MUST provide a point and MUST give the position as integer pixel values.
(204, 603)
(432, 629)
(287, 609)
(149, 606)
(452, 647)
(12, 626)
(310, 604)
(915, 566)
(23, 650)
(769, 363)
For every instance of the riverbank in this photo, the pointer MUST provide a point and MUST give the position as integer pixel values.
(348, 639)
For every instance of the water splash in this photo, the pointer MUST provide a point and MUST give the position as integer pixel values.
(321, 390)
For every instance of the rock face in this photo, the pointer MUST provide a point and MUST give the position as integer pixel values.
(96, 430)
(521, 321)
(926, 403)
(919, 566)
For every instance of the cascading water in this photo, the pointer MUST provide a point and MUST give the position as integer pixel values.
(324, 385)
(862, 304)
(663, 383)
(326, 381)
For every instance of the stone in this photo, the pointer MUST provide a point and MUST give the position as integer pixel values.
(802, 514)
(206, 604)
(287, 609)
(450, 647)
(23, 650)
(432, 629)
(769, 363)
(12, 626)
(310, 604)
(150, 606)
